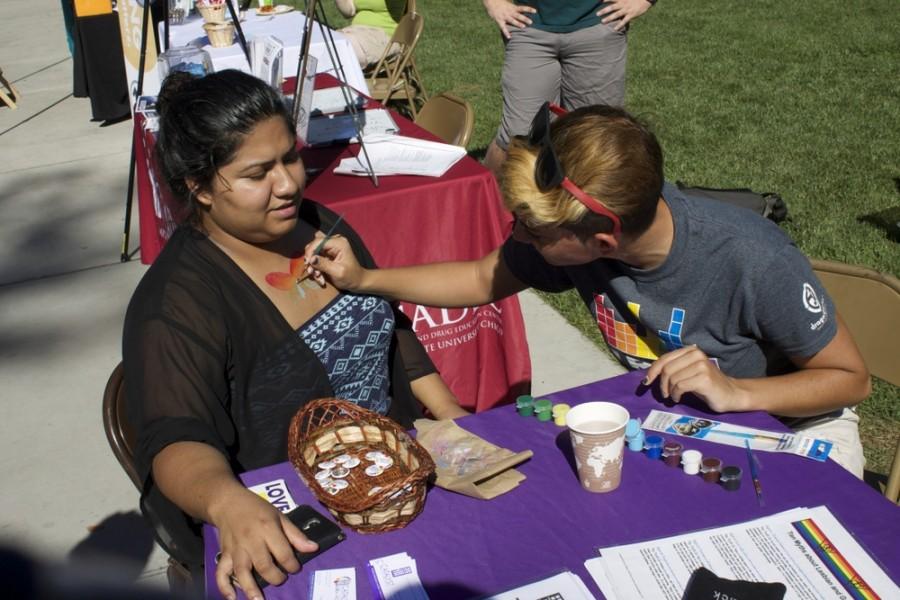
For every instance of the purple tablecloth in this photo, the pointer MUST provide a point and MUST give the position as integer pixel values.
(466, 547)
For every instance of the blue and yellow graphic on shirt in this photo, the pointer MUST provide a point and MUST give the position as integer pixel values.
(634, 339)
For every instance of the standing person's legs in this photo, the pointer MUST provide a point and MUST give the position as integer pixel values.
(593, 67)
(531, 76)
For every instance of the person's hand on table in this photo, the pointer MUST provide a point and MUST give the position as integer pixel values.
(623, 12)
(253, 534)
(336, 261)
(689, 370)
(506, 14)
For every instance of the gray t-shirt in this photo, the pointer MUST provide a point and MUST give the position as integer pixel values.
(733, 284)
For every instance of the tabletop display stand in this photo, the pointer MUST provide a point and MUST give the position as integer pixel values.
(313, 11)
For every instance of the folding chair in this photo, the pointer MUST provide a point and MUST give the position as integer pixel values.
(122, 439)
(869, 303)
(449, 117)
(395, 76)
(8, 93)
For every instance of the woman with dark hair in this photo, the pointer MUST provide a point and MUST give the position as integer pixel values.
(224, 339)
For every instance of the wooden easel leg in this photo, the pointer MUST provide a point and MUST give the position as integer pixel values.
(11, 98)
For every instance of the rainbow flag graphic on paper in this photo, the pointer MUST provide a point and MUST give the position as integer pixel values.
(831, 557)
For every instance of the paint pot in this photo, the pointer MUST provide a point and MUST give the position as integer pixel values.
(559, 413)
(542, 409)
(671, 453)
(653, 444)
(731, 478)
(634, 435)
(690, 461)
(710, 468)
(525, 405)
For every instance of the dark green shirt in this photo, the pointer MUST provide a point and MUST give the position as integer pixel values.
(559, 16)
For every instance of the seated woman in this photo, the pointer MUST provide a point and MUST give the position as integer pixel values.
(373, 23)
(224, 341)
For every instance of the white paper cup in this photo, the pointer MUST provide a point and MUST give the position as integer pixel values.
(597, 431)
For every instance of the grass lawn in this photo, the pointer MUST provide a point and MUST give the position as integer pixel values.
(795, 98)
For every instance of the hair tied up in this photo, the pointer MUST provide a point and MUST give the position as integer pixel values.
(174, 83)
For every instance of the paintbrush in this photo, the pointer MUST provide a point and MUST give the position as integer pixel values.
(748, 436)
(754, 473)
(321, 244)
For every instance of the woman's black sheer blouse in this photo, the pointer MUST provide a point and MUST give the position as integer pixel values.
(208, 358)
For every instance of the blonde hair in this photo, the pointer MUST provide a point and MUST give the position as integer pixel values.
(607, 153)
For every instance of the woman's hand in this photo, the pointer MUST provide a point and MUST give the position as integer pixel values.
(254, 535)
(623, 12)
(506, 14)
(689, 370)
(335, 261)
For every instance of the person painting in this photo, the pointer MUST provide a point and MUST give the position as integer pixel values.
(224, 340)
(711, 299)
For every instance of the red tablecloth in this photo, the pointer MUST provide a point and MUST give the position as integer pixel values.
(481, 352)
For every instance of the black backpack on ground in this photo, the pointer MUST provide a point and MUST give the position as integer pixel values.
(769, 205)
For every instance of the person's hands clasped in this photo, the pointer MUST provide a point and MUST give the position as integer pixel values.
(253, 534)
(336, 261)
(506, 14)
(622, 12)
(689, 370)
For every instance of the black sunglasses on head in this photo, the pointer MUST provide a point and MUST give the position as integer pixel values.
(548, 172)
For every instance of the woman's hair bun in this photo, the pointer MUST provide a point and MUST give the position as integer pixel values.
(172, 85)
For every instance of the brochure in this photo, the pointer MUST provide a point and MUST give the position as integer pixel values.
(806, 549)
(736, 435)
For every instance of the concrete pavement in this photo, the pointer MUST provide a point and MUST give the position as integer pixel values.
(63, 294)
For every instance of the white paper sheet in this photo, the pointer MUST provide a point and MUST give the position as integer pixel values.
(400, 155)
(332, 100)
(771, 549)
(397, 577)
(562, 586)
(334, 584)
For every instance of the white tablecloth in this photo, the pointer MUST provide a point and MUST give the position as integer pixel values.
(287, 27)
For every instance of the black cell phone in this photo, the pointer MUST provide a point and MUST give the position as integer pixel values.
(314, 526)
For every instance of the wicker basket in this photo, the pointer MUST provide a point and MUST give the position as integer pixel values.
(221, 35)
(327, 428)
(212, 13)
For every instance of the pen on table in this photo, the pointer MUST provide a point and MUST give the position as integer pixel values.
(321, 244)
(754, 473)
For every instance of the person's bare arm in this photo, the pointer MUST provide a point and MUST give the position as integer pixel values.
(346, 8)
(450, 284)
(252, 533)
(836, 377)
(434, 394)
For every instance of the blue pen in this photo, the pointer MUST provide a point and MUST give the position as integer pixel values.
(754, 474)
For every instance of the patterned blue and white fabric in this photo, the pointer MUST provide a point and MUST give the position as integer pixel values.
(352, 337)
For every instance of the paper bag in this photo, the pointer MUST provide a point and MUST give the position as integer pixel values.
(467, 464)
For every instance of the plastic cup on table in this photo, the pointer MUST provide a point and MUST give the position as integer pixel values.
(597, 433)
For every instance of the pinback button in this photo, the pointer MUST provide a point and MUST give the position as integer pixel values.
(353, 462)
(373, 455)
(374, 470)
(328, 464)
(323, 475)
(340, 484)
(340, 472)
(342, 458)
(385, 462)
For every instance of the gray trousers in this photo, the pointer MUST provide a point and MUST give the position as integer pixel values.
(574, 69)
